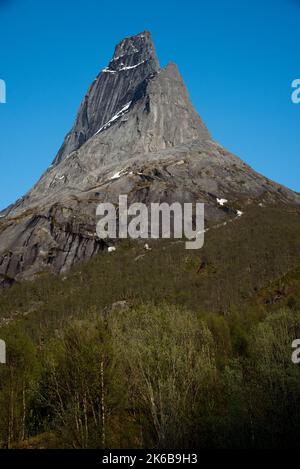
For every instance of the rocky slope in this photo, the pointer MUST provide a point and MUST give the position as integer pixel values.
(136, 133)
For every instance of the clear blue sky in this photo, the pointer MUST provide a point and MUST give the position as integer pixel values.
(238, 59)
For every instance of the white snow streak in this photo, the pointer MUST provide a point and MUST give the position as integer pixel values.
(107, 70)
(129, 67)
(115, 117)
(222, 201)
(117, 175)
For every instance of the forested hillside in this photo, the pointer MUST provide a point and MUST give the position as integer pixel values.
(163, 348)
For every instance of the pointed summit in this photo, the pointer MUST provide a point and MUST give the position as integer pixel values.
(134, 61)
(134, 50)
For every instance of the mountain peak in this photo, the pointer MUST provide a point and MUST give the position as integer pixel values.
(160, 112)
(133, 62)
(134, 50)
(136, 133)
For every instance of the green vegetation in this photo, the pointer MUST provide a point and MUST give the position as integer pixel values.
(196, 353)
(152, 376)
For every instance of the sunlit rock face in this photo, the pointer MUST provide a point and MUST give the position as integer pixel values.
(136, 133)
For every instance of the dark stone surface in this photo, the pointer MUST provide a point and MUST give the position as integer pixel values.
(134, 61)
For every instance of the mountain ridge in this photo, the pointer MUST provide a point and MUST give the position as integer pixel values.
(136, 133)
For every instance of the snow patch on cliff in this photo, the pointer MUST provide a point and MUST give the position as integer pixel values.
(115, 117)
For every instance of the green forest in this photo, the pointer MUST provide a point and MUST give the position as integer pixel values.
(167, 348)
(155, 377)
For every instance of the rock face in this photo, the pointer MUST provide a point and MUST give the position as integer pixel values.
(121, 82)
(136, 133)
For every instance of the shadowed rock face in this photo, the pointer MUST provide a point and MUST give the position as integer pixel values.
(134, 60)
(136, 133)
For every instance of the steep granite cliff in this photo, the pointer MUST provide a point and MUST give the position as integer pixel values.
(136, 133)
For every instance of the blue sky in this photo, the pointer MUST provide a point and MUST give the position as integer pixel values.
(238, 60)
